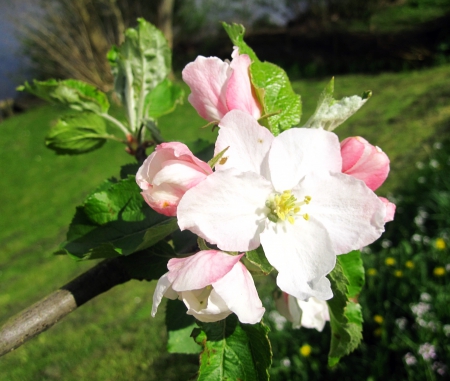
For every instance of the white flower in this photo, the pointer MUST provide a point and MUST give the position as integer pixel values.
(288, 194)
(427, 351)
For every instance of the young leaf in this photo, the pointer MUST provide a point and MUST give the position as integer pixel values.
(139, 65)
(115, 221)
(163, 99)
(77, 95)
(272, 85)
(331, 113)
(258, 258)
(179, 327)
(233, 351)
(77, 134)
(346, 319)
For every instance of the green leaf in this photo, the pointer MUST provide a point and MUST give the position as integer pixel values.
(163, 99)
(179, 327)
(148, 264)
(139, 65)
(331, 113)
(115, 221)
(236, 33)
(77, 95)
(272, 86)
(345, 314)
(258, 258)
(233, 351)
(77, 134)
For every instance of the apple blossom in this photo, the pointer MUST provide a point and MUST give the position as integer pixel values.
(212, 285)
(218, 87)
(364, 161)
(288, 194)
(167, 174)
(312, 313)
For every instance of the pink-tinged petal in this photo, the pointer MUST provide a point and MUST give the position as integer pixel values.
(200, 270)
(303, 255)
(248, 142)
(227, 209)
(164, 199)
(183, 174)
(211, 310)
(314, 313)
(390, 209)
(238, 291)
(370, 165)
(240, 93)
(163, 288)
(351, 213)
(298, 151)
(207, 78)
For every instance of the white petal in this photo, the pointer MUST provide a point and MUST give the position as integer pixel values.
(163, 288)
(227, 209)
(185, 175)
(298, 151)
(351, 213)
(238, 291)
(303, 255)
(315, 313)
(295, 311)
(248, 142)
(215, 310)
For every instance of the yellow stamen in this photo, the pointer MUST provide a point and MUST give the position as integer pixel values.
(285, 206)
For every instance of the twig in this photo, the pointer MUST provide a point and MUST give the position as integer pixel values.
(48, 311)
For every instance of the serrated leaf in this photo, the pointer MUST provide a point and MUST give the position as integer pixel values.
(163, 99)
(148, 264)
(236, 33)
(77, 134)
(258, 258)
(331, 113)
(272, 85)
(115, 221)
(77, 95)
(345, 315)
(179, 327)
(141, 63)
(233, 351)
(277, 95)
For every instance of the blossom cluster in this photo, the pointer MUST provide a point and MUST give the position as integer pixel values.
(302, 195)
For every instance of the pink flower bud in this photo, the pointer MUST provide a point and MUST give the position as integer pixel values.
(167, 174)
(218, 87)
(364, 161)
(390, 209)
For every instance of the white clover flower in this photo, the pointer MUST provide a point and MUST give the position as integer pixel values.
(401, 323)
(425, 297)
(427, 351)
(420, 308)
(288, 194)
(410, 359)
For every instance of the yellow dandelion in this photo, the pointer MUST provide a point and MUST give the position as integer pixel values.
(440, 244)
(439, 271)
(398, 273)
(372, 271)
(409, 264)
(390, 261)
(378, 319)
(378, 332)
(305, 350)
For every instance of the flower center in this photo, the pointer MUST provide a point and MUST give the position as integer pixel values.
(284, 206)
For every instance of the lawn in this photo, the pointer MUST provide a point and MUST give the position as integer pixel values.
(113, 336)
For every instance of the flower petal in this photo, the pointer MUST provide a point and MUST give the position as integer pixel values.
(215, 310)
(298, 151)
(200, 270)
(351, 213)
(207, 78)
(238, 291)
(183, 174)
(163, 288)
(248, 142)
(227, 209)
(390, 209)
(303, 254)
(314, 313)
(240, 94)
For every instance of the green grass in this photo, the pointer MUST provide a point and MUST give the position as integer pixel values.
(113, 336)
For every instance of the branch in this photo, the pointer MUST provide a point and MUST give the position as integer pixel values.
(48, 311)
